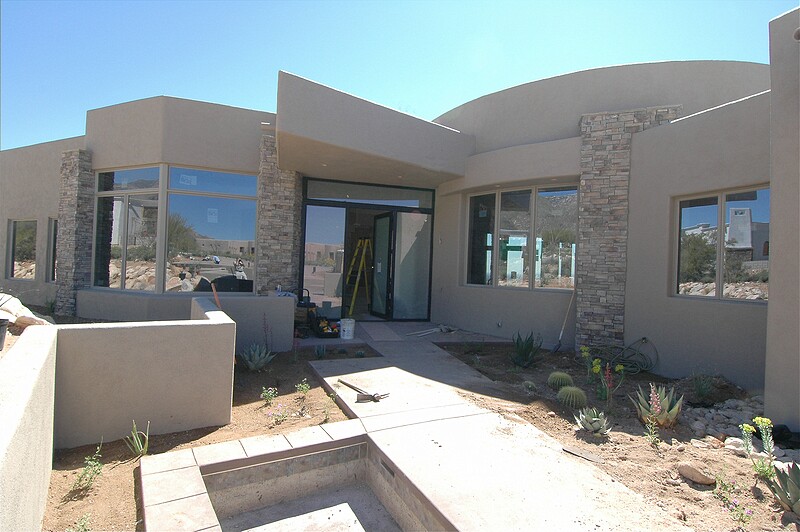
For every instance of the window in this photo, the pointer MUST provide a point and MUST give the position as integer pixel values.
(554, 215)
(734, 265)
(52, 239)
(23, 250)
(126, 230)
(211, 226)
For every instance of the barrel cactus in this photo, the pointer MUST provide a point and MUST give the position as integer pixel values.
(559, 379)
(660, 406)
(593, 420)
(572, 396)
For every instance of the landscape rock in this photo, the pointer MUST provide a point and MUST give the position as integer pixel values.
(690, 472)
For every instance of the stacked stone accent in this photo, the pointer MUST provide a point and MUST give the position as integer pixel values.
(601, 257)
(75, 219)
(280, 202)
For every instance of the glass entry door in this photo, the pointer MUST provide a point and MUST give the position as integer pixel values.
(382, 266)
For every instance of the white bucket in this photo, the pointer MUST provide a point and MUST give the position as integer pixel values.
(348, 329)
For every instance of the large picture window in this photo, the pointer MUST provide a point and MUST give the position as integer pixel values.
(23, 250)
(732, 263)
(546, 217)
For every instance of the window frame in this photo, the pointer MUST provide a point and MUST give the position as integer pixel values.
(531, 240)
(52, 248)
(719, 277)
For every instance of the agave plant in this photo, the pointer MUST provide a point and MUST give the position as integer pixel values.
(526, 351)
(256, 357)
(593, 420)
(785, 486)
(660, 406)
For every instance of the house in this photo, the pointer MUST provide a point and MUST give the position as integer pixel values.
(605, 184)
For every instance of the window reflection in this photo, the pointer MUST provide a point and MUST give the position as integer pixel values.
(194, 180)
(556, 222)
(23, 250)
(515, 227)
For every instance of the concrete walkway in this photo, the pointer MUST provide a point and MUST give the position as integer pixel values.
(477, 468)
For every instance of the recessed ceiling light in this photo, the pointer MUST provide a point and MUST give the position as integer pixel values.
(324, 164)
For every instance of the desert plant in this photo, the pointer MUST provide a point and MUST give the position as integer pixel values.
(319, 351)
(606, 387)
(726, 492)
(303, 387)
(360, 354)
(269, 394)
(529, 386)
(526, 351)
(586, 358)
(559, 379)
(279, 415)
(651, 432)
(572, 396)
(593, 420)
(660, 406)
(703, 386)
(785, 486)
(256, 357)
(92, 469)
(81, 525)
(762, 467)
(138, 441)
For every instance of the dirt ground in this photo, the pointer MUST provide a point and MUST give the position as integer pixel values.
(626, 455)
(113, 501)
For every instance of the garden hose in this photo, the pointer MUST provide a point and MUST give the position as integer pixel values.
(633, 358)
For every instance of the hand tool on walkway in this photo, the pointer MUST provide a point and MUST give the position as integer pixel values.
(440, 328)
(364, 395)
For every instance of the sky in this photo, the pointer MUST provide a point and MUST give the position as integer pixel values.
(59, 59)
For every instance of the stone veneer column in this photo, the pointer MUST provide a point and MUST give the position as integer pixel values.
(280, 201)
(75, 219)
(601, 261)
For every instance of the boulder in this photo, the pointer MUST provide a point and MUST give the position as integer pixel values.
(691, 472)
(16, 313)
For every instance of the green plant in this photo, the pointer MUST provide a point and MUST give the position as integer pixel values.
(327, 411)
(785, 486)
(138, 441)
(529, 386)
(92, 469)
(572, 396)
(559, 379)
(726, 492)
(703, 386)
(279, 415)
(256, 357)
(606, 386)
(303, 387)
(660, 406)
(269, 394)
(319, 351)
(651, 432)
(81, 525)
(762, 467)
(527, 350)
(594, 421)
(586, 357)
(360, 354)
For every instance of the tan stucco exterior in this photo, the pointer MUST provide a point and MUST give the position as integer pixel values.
(782, 395)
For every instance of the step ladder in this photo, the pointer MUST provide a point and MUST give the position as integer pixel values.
(360, 256)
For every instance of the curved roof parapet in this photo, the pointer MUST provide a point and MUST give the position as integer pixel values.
(550, 109)
(323, 132)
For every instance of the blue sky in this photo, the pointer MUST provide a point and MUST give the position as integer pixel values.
(59, 59)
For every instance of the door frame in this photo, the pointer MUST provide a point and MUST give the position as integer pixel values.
(389, 288)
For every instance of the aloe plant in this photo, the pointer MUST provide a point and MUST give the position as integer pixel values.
(785, 486)
(256, 357)
(526, 351)
(593, 420)
(660, 406)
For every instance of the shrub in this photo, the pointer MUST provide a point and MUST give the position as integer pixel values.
(526, 351)
(269, 394)
(92, 469)
(256, 357)
(559, 379)
(303, 387)
(572, 396)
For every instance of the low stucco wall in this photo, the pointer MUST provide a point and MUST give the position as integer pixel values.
(27, 382)
(177, 375)
(247, 310)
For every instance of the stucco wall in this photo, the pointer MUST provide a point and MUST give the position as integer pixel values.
(782, 391)
(246, 310)
(717, 149)
(27, 382)
(550, 109)
(175, 131)
(467, 307)
(177, 375)
(29, 185)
